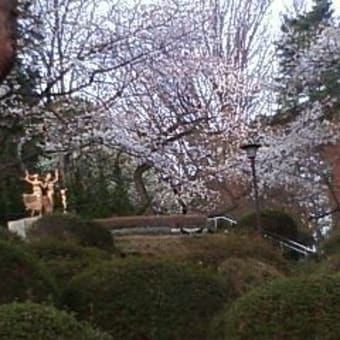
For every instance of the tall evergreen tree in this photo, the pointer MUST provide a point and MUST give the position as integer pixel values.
(18, 99)
(298, 35)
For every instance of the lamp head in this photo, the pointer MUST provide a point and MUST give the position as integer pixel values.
(251, 149)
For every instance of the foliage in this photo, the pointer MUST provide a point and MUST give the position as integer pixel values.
(204, 89)
(22, 276)
(329, 262)
(18, 95)
(298, 34)
(243, 274)
(121, 204)
(327, 265)
(213, 250)
(21, 321)
(189, 61)
(9, 236)
(97, 185)
(71, 228)
(202, 65)
(332, 244)
(308, 101)
(297, 308)
(209, 251)
(273, 222)
(151, 299)
(11, 206)
(65, 260)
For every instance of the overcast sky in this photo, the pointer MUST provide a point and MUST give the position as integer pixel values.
(282, 5)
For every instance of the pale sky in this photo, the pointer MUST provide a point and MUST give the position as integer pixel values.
(281, 5)
(336, 5)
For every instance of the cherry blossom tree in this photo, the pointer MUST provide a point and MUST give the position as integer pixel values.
(177, 87)
(90, 56)
(311, 128)
(192, 104)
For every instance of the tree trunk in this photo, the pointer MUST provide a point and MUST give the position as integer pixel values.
(144, 199)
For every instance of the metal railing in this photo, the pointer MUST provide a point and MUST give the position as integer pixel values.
(218, 218)
(292, 245)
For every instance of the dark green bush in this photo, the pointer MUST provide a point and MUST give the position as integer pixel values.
(243, 274)
(298, 308)
(212, 250)
(9, 236)
(328, 264)
(23, 321)
(147, 299)
(332, 244)
(71, 228)
(64, 260)
(22, 277)
(272, 221)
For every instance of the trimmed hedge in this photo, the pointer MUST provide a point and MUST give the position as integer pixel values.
(147, 299)
(65, 260)
(272, 221)
(22, 277)
(22, 321)
(243, 274)
(71, 228)
(299, 308)
(212, 250)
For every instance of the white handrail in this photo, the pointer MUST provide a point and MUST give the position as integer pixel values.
(215, 219)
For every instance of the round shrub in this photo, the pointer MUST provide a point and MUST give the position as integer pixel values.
(64, 260)
(243, 274)
(147, 299)
(299, 308)
(22, 321)
(22, 277)
(71, 228)
(272, 221)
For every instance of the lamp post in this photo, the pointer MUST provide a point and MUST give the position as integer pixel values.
(251, 150)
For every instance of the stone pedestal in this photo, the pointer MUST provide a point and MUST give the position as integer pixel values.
(21, 226)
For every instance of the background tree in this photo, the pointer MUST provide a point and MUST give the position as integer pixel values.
(8, 13)
(18, 113)
(299, 33)
(190, 106)
(307, 88)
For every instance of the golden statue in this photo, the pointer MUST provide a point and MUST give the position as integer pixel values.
(48, 189)
(33, 202)
(64, 199)
(41, 200)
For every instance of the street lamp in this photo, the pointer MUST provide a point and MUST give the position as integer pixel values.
(251, 150)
